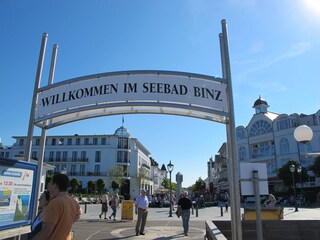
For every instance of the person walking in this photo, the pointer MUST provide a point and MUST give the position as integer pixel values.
(226, 199)
(61, 213)
(114, 204)
(36, 225)
(104, 198)
(142, 205)
(186, 204)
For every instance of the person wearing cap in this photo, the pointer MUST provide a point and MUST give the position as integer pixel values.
(141, 208)
(185, 203)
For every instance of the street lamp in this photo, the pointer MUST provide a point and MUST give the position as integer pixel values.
(170, 169)
(303, 134)
(292, 169)
(299, 170)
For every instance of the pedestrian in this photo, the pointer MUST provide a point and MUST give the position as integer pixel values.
(114, 204)
(142, 205)
(61, 213)
(186, 204)
(226, 199)
(104, 198)
(36, 225)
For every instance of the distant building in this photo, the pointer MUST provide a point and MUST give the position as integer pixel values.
(90, 157)
(268, 138)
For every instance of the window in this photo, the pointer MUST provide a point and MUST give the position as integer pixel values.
(77, 141)
(61, 141)
(242, 153)
(103, 141)
(86, 141)
(1, 154)
(69, 141)
(95, 141)
(241, 133)
(7, 155)
(260, 127)
(51, 153)
(83, 156)
(283, 123)
(284, 146)
(262, 149)
(82, 170)
(96, 169)
(64, 156)
(58, 156)
(122, 157)
(53, 141)
(21, 142)
(74, 156)
(123, 143)
(37, 142)
(34, 155)
(73, 169)
(98, 156)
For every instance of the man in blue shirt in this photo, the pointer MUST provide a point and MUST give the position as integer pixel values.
(142, 204)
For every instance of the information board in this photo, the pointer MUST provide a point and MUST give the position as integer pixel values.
(127, 210)
(17, 190)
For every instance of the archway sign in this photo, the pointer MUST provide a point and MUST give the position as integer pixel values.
(134, 92)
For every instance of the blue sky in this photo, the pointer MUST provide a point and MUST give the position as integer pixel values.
(274, 52)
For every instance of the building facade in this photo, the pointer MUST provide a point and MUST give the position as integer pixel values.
(90, 157)
(268, 138)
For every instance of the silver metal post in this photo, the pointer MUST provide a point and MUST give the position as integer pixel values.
(35, 96)
(257, 204)
(43, 135)
(232, 150)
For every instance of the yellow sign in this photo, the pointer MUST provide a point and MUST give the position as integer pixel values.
(127, 210)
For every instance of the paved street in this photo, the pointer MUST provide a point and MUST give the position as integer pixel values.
(160, 226)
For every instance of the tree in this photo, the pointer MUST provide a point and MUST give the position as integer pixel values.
(166, 184)
(101, 184)
(74, 184)
(141, 176)
(91, 186)
(286, 176)
(316, 166)
(116, 175)
(200, 185)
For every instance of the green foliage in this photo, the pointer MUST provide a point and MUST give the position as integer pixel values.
(141, 176)
(101, 184)
(200, 185)
(116, 175)
(316, 166)
(115, 185)
(166, 184)
(91, 186)
(74, 184)
(286, 176)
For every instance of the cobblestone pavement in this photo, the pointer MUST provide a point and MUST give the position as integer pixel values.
(160, 226)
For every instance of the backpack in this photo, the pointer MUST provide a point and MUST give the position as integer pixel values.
(110, 203)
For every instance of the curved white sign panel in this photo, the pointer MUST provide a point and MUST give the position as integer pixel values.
(132, 92)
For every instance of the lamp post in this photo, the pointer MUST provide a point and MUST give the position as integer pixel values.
(292, 169)
(299, 170)
(303, 134)
(170, 169)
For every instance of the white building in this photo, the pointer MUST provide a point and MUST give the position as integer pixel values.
(90, 157)
(268, 138)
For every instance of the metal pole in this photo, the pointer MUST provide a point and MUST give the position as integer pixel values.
(44, 134)
(232, 151)
(35, 97)
(170, 213)
(257, 203)
(295, 195)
